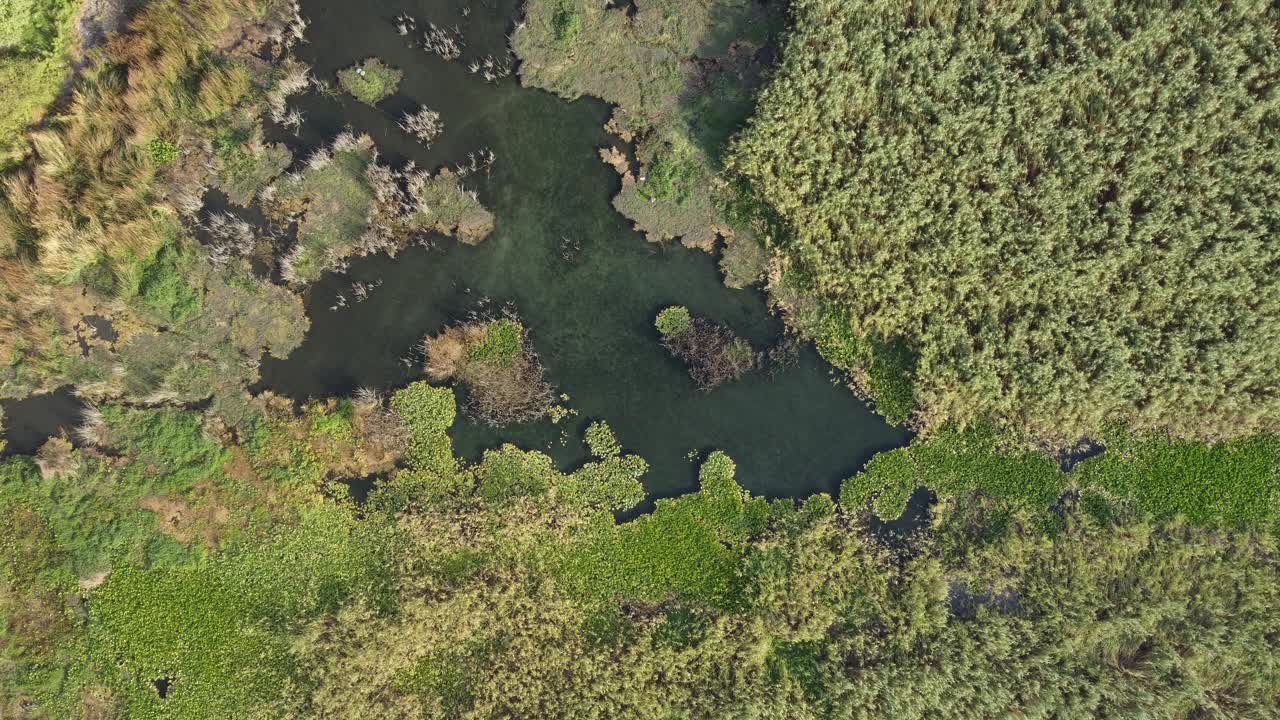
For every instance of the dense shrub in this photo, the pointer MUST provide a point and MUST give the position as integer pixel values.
(1063, 208)
(371, 81)
(674, 320)
(713, 353)
(497, 362)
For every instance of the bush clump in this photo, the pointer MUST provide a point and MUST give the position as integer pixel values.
(371, 81)
(713, 353)
(980, 186)
(567, 23)
(673, 321)
(497, 363)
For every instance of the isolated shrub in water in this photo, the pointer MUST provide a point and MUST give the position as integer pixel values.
(712, 352)
(370, 81)
(673, 321)
(499, 366)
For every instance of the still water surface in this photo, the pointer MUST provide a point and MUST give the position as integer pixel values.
(591, 315)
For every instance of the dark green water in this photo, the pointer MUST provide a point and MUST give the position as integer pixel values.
(591, 317)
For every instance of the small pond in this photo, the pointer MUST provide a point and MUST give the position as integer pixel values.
(584, 282)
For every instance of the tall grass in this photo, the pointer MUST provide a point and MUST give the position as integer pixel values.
(92, 201)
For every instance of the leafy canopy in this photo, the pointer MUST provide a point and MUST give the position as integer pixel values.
(1067, 209)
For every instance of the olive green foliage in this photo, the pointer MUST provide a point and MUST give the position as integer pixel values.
(371, 81)
(883, 371)
(674, 320)
(463, 590)
(442, 204)
(248, 163)
(335, 194)
(567, 22)
(975, 180)
(673, 175)
(162, 285)
(954, 462)
(691, 547)
(97, 220)
(35, 43)
(214, 325)
(601, 441)
(351, 205)
(744, 260)
(1234, 484)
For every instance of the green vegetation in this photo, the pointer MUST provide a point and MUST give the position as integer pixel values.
(162, 152)
(1235, 484)
(674, 320)
(979, 239)
(371, 81)
(680, 75)
(164, 556)
(36, 38)
(248, 163)
(973, 181)
(97, 220)
(601, 441)
(567, 22)
(351, 205)
(496, 361)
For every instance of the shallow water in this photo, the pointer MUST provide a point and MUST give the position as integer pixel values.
(30, 422)
(591, 316)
